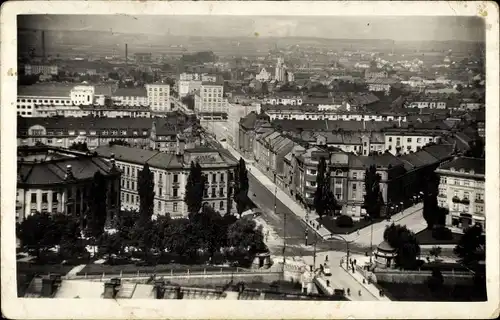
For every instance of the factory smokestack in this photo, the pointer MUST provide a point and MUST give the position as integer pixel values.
(126, 54)
(43, 46)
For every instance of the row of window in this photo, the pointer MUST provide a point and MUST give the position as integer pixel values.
(43, 100)
(462, 195)
(409, 140)
(463, 182)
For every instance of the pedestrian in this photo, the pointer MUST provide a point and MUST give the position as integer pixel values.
(348, 291)
(354, 261)
(357, 232)
(359, 293)
(326, 259)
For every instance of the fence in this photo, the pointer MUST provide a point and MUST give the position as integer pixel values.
(414, 277)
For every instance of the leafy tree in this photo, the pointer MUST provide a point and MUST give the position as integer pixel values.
(67, 233)
(79, 146)
(111, 244)
(471, 246)
(245, 236)
(146, 192)
(373, 200)
(324, 202)
(195, 187)
(188, 101)
(143, 236)
(208, 229)
(405, 243)
(96, 217)
(431, 190)
(241, 186)
(36, 233)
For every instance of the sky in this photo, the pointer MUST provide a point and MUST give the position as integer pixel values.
(395, 28)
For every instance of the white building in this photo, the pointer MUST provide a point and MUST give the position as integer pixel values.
(40, 69)
(280, 71)
(191, 82)
(263, 75)
(234, 114)
(427, 104)
(82, 95)
(210, 99)
(298, 114)
(290, 76)
(404, 142)
(130, 97)
(158, 97)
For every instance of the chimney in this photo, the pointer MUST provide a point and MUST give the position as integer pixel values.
(364, 124)
(43, 45)
(126, 54)
(399, 121)
(69, 173)
(111, 288)
(181, 145)
(112, 160)
(48, 287)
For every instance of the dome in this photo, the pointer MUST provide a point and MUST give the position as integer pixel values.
(385, 246)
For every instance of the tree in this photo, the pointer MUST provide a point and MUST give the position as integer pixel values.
(208, 229)
(96, 217)
(36, 233)
(436, 280)
(67, 234)
(111, 244)
(146, 192)
(245, 236)
(405, 243)
(241, 186)
(431, 190)
(324, 201)
(79, 146)
(195, 187)
(471, 246)
(373, 200)
(188, 101)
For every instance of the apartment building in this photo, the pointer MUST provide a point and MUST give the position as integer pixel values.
(30, 69)
(462, 191)
(398, 141)
(170, 172)
(424, 104)
(210, 99)
(63, 132)
(158, 96)
(58, 181)
(313, 113)
(381, 85)
(235, 113)
(130, 97)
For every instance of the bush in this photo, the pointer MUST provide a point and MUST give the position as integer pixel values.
(442, 233)
(344, 221)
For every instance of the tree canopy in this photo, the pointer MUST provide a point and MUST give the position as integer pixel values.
(146, 187)
(406, 245)
(471, 246)
(195, 187)
(324, 200)
(241, 186)
(373, 201)
(96, 217)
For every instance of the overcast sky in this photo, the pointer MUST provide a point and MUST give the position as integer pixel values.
(396, 28)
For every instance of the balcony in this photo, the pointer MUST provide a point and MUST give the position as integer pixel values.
(465, 201)
(441, 195)
(455, 199)
(479, 200)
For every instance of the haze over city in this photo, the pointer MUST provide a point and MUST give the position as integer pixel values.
(393, 27)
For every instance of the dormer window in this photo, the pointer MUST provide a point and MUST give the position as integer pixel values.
(462, 170)
(452, 169)
(472, 171)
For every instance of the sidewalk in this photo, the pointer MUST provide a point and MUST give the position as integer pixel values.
(360, 261)
(75, 270)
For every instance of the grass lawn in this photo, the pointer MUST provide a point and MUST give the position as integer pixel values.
(424, 237)
(331, 225)
(31, 268)
(97, 269)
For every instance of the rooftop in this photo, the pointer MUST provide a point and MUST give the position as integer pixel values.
(467, 164)
(130, 92)
(84, 123)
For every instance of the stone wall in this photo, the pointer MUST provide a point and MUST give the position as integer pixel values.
(413, 277)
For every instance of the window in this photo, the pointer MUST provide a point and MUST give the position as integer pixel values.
(128, 185)
(466, 183)
(354, 187)
(479, 196)
(419, 140)
(221, 192)
(174, 208)
(456, 182)
(175, 192)
(221, 205)
(176, 178)
(160, 192)
(159, 205)
(205, 192)
(408, 140)
(443, 180)
(479, 208)
(222, 177)
(127, 197)
(355, 175)
(33, 198)
(455, 206)
(213, 193)
(466, 195)
(455, 193)
(214, 177)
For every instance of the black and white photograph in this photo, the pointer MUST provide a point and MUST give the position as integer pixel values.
(190, 153)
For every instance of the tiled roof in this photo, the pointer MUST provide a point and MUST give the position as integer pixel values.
(332, 125)
(248, 122)
(439, 151)
(48, 90)
(54, 171)
(383, 160)
(466, 163)
(88, 123)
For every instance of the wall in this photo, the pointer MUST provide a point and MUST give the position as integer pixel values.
(413, 277)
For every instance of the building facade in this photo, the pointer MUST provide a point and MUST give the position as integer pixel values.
(210, 99)
(59, 181)
(158, 96)
(40, 69)
(171, 172)
(462, 191)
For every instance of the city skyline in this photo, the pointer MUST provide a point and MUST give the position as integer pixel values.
(359, 28)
